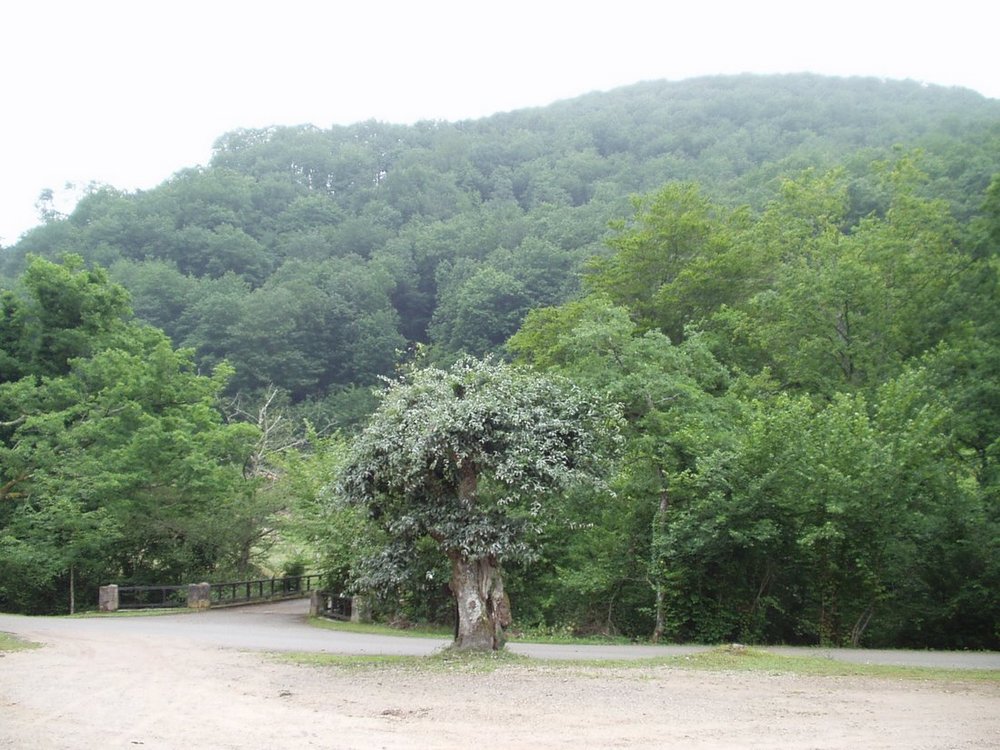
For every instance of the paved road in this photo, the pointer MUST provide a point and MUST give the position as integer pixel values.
(283, 626)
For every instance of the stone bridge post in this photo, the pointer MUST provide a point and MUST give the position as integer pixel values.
(361, 610)
(199, 595)
(316, 603)
(107, 598)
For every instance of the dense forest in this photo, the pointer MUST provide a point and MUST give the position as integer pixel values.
(787, 284)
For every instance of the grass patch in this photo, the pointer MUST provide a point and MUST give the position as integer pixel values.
(477, 661)
(444, 661)
(10, 642)
(743, 659)
(722, 659)
(150, 612)
(353, 661)
(444, 631)
(559, 636)
(371, 628)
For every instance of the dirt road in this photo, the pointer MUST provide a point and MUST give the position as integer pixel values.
(200, 681)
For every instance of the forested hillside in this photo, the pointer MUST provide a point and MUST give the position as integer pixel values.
(307, 257)
(788, 283)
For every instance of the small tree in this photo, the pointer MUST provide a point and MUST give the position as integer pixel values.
(469, 457)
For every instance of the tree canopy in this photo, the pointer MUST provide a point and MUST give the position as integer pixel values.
(788, 283)
(114, 460)
(449, 233)
(799, 468)
(470, 458)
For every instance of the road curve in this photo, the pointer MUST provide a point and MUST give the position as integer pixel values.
(283, 626)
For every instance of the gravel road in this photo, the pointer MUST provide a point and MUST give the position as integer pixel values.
(199, 681)
(283, 626)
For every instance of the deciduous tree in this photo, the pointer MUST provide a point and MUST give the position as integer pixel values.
(469, 457)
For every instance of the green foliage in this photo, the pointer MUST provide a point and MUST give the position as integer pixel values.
(467, 226)
(674, 263)
(115, 461)
(62, 312)
(831, 491)
(797, 315)
(470, 462)
(327, 535)
(847, 305)
(673, 415)
(479, 313)
(469, 455)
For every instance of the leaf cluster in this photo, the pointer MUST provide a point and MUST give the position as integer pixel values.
(470, 455)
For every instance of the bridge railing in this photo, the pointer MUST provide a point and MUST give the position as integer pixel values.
(205, 595)
(324, 604)
(262, 589)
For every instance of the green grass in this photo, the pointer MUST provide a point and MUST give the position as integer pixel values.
(743, 659)
(10, 642)
(566, 637)
(150, 612)
(722, 659)
(443, 631)
(371, 628)
(441, 662)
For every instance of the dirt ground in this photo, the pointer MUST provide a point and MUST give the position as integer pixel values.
(90, 689)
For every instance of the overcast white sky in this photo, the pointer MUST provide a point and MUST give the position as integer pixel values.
(127, 92)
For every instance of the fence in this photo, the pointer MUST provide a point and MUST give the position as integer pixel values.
(204, 595)
(262, 589)
(324, 604)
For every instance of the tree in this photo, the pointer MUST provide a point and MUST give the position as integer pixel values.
(114, 462)
(63, 311)
(477, 314)
(674, 261)
(675, 412)
(840, 523)
(846, 306)
(469, 457)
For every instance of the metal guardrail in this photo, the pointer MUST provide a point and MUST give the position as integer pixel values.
(262, 589)
(220, 594)
(335, 607)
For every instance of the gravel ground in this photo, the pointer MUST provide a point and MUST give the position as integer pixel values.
(200, 681)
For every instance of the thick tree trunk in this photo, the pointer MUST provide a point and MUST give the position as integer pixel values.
(483, 607)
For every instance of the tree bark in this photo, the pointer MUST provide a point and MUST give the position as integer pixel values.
(659, 530)
(861, 624)
(483, 606)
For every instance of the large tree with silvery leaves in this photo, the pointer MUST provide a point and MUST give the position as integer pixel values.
(468, 457)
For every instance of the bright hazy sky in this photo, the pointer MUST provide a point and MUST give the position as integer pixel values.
(127, 92)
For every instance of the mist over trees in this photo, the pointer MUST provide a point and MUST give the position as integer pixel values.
(788, 283)
(305, 257)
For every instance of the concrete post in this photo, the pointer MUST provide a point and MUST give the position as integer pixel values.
(316, 603)
(361, 611)
(199, 596)
(107, 598)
